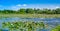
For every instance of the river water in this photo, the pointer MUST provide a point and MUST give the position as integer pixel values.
(52, 22)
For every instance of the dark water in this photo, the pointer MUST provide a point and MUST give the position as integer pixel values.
(52, 22)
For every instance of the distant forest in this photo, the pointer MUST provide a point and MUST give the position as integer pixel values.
(31, 11)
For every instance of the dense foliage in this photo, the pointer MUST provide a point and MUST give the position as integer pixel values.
(32, 11)
(24, 26)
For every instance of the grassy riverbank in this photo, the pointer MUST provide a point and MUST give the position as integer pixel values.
(31, 15)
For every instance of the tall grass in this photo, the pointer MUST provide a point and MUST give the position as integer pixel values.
(31, 15)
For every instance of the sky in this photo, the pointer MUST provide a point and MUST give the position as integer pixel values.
(17, 4)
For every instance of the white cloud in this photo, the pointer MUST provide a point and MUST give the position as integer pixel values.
(19, 5)
(57, 7)
(24, 5)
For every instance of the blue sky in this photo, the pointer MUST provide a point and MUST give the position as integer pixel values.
(17, 4)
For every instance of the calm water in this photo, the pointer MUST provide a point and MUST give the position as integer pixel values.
(52, 22)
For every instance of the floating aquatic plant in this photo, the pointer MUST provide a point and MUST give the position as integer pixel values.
(28, 26)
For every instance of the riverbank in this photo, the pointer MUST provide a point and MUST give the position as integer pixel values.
(31, 15)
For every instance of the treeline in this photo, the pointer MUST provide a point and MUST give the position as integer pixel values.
(32, 11)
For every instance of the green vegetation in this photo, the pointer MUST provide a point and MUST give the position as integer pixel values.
(27, 26)
(0, 29)
(57, 28)
(31, 11)
(31, 15)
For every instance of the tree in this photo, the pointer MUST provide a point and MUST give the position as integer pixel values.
(58, 10)
(31, 11)
(22, 11)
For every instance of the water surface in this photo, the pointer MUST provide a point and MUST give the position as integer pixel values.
(52, 22)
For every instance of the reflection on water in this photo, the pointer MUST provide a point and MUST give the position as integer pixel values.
(49, 22)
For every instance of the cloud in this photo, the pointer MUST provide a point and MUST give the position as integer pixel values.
(19, 5)
(24, 5)
(13, 7)
(57, 7)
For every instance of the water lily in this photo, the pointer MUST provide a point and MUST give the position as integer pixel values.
(29, 26)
